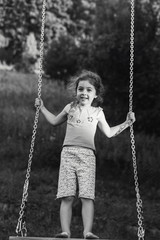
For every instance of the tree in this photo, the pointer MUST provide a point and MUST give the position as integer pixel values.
(111, 58)
(82, 14)
(24, 16)
(70, 51)
(111, 51)
(61, 58)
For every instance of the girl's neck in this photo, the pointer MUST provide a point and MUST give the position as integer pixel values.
(84, 106)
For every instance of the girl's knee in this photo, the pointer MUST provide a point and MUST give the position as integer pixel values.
(69, 199)
(87, 200)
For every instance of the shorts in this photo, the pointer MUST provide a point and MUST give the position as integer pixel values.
(77, 172)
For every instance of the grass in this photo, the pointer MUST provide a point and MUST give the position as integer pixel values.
(115, 211)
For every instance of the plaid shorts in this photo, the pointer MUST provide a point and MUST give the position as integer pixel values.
(77, 172)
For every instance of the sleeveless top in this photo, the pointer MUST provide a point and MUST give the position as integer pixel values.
(81, 125)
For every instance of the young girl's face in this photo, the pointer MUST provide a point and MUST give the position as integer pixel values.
(86, 93)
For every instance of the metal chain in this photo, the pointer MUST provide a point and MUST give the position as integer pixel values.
(141, 230)
(21, 225)
(21, 228)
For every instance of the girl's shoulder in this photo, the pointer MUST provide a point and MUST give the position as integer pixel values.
(68, 107)
(97, 111)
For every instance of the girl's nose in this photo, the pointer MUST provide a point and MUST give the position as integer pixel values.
(84, 91)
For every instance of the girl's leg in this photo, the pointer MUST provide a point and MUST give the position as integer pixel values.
(66, 213)
(87, 214)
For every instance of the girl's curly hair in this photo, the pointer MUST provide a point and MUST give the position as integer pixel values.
(93, 79)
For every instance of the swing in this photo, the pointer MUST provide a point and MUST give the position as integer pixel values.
(21, 228)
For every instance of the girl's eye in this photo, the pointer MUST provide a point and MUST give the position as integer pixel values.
(80, 89)
(89, 90)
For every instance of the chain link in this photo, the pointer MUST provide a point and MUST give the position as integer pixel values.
(141, 230)
(21, 228)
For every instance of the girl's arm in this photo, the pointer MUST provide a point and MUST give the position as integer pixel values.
(50, 117)
(114, 131)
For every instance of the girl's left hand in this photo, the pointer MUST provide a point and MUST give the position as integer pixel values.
(131, 118)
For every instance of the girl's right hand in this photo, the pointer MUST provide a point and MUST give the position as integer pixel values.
(131, 118)
(38, 103)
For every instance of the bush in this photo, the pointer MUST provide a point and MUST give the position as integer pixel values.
(114, 157)
(61, 58)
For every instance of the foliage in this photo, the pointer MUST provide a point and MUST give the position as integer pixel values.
(111, 58)
(22, 17)
(82, 15)
(62, 17)
(65, 57)
(29, 55)
(61, 58)
(70, 52)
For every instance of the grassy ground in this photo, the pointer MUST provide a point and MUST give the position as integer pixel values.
(115, 210)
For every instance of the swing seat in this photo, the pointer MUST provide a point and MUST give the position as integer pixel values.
(29, 238)
(45, 238)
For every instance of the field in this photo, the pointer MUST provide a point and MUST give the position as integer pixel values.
(115, 205)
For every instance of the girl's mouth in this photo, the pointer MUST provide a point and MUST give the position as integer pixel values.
(82, 97)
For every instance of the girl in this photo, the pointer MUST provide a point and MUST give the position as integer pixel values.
(83, 115)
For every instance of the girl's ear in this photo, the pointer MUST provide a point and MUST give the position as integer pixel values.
(95, 96)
